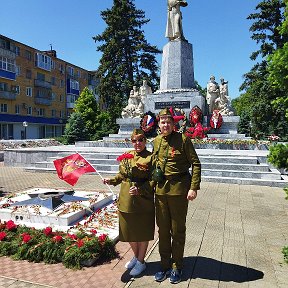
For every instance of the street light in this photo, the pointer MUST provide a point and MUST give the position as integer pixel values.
(25, 125)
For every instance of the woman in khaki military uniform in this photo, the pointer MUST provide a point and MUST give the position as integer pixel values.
(136, 201)
(173, 155)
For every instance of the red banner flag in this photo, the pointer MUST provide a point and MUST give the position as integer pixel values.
(70, 168)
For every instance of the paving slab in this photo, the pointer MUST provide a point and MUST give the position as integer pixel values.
(235, 234)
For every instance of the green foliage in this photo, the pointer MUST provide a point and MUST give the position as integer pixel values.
(286, 191)
(278, 155)
(278, 68)
(259, 101)
(74, 255)
(244, 124)
(75, 129)
(56, 247)
(133, 57)
(285, 252)
(88, 122)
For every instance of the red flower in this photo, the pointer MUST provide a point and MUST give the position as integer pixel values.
(125, 156)
(93, 231)
(57, 238)
(47, 231)
(26, 237)
(102, 237)
(80, 243)
(72, 236)
(2, 235)
(10, 225)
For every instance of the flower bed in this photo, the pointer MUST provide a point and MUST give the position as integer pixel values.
(23, 243)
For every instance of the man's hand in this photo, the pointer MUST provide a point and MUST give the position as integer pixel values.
(192, 194)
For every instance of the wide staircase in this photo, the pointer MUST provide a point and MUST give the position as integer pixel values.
(226, 166)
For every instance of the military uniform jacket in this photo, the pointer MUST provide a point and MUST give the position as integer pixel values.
(175, 154)
(139, 175)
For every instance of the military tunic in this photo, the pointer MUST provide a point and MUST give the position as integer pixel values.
(136, 212)
(174, 154)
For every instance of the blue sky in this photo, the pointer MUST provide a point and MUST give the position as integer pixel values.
(218, 30)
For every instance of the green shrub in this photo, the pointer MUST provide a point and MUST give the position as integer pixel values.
(278, 155)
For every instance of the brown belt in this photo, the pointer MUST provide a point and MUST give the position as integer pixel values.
(176, 176)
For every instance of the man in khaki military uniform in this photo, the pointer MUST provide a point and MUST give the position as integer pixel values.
(173, 154)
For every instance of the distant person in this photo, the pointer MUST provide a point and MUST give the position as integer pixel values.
(136, 201)
(173, 155)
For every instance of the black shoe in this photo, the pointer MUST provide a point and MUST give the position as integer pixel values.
(161, 275)
(175, 276)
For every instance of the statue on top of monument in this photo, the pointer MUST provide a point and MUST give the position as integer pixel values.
(174, 30)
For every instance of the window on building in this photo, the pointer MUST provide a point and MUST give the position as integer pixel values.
(7, 64)
(18, 70)
(3, 107)
(40, 76)
(53, 96)
(74, 84)
(40, 111)
(28, 74)
(29, 110)
(53, 113)
(17, 109)
(62, 114)
(61, 68)
(70, 70)
(61, 98)
(53, 80)
(28, 55)
(43, 61)
(61, 83)
(16, 89)
(29, 91)
(3, 86)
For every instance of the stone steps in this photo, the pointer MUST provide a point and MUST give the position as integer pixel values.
(230, 166)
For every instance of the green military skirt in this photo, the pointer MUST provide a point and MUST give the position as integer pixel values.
(136, 227)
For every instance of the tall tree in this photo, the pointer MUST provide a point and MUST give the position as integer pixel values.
(256, 101)
(265, 31)
(127, 57)
(278, 68)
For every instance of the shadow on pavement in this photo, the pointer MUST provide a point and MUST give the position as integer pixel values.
(211, 269)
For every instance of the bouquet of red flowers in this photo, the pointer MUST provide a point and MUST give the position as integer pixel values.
(124, 158)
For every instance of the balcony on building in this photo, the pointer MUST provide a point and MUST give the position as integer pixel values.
(70, 100)
(43, 97)
(42, 83)
(42, 101)
(9, 95)
(7, 53)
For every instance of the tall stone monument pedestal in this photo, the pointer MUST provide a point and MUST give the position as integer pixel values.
(177, 86)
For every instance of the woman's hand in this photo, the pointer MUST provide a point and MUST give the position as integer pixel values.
(106, 181)
(133, 191)
(192, 194)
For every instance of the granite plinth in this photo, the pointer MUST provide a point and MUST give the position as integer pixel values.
(126, 125)
(184, 99)
(177, 69)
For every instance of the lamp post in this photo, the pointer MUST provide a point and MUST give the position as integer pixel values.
(25, 125)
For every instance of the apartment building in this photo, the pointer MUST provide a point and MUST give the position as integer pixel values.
(37, 91)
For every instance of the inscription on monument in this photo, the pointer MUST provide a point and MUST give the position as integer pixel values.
(174, 104)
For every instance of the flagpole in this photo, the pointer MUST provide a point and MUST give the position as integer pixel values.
(114, 195)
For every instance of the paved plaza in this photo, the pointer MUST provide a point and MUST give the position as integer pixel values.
(235, 234)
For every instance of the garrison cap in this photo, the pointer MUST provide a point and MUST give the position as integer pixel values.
(166, 112)
(138, 132)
